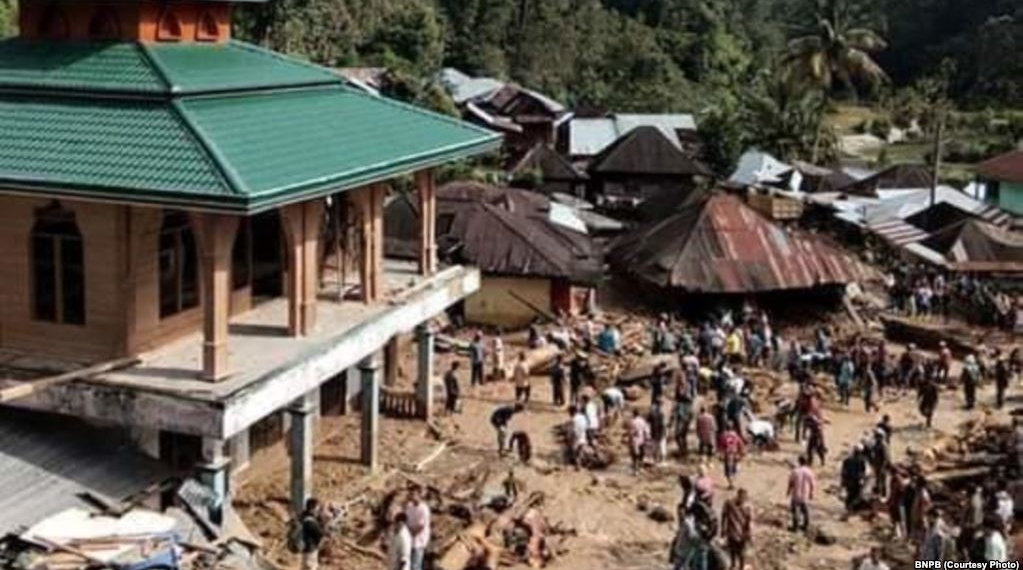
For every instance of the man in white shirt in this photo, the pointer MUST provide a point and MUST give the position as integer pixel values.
(417, 515)
(592, 411)
(995, 548)
(399, 554)
(873, 561)
(579, 427)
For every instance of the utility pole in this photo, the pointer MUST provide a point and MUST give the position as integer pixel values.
(939, 143)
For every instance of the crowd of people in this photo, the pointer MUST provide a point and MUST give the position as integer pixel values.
(921, 291)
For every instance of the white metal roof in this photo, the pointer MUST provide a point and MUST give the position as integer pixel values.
(589, 136)
(46, 461)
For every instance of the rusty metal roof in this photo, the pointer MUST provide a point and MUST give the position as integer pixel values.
(721, 245)
(1007, 167)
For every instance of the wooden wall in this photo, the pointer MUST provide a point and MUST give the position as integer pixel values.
(135, 20)
(105, 288)
(122, 291)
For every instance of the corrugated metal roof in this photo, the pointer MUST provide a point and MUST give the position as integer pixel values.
(46, 461)
(721, 245)
(646, 151)
(1006, 168)
(589, 136)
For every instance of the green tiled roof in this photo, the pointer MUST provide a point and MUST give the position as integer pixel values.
(296, 140)
(101, 144)
(229, 126)
(77, 65)
(192, 68)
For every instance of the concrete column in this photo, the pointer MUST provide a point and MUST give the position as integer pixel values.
(424, 372)
(215, 236)
(303, 418)
(240, 451)
(391, 357)
(213, 473)
(427, 222)
(370, 372)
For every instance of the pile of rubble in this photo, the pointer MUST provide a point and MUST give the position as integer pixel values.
(480, 519)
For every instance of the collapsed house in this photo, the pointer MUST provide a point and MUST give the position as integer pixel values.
(535, 255)
(720, 245)
(165, 194)
(525, 117)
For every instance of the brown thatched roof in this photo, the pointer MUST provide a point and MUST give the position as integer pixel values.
(503, 231)
(721, 245)
(645, 150)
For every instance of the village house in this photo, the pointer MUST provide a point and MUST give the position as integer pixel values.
(535, 255)
(638, 166)
(718, 245)
(525, 117)
(586, 137)
(166, 192)
(1003, 179)
(544, 170)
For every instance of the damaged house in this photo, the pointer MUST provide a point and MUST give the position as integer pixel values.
(535, 255)
(721, 246)
(165, 194)
(525, 117)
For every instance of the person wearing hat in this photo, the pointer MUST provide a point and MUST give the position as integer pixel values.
(970, 379)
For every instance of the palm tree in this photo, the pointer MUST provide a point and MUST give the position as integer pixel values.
(835, 53)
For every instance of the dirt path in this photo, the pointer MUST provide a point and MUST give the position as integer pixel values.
(603, 507)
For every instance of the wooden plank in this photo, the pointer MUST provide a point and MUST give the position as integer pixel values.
(543, 313)
(26, 389)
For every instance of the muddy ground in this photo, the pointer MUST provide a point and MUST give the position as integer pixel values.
(601, 508)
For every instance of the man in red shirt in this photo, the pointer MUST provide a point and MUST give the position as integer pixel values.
(802, 485)
(731, 447)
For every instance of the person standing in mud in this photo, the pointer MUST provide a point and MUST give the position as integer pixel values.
(1003, 375)
(737, 528)
(815, 438)
(927, 399)
(970, 379)
(681, 416)
(731, 447)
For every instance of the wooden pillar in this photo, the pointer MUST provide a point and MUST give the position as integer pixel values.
(215, 236)
(369, 203)
(301, 224)
(427, 222)
(313, 218)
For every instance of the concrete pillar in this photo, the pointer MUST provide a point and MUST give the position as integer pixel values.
(303, 418)
(427, 222)
(391, 358)
(215, 238)
(213, 473)
(424, 372)
(370, 372)
(240, 451)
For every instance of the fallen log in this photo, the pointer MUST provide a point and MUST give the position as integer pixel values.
(517, 511)
(361, 549)
(645, 367)
(440, 449)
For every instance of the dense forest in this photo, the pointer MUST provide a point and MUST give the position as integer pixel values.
(644, 54)
(730, 61)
